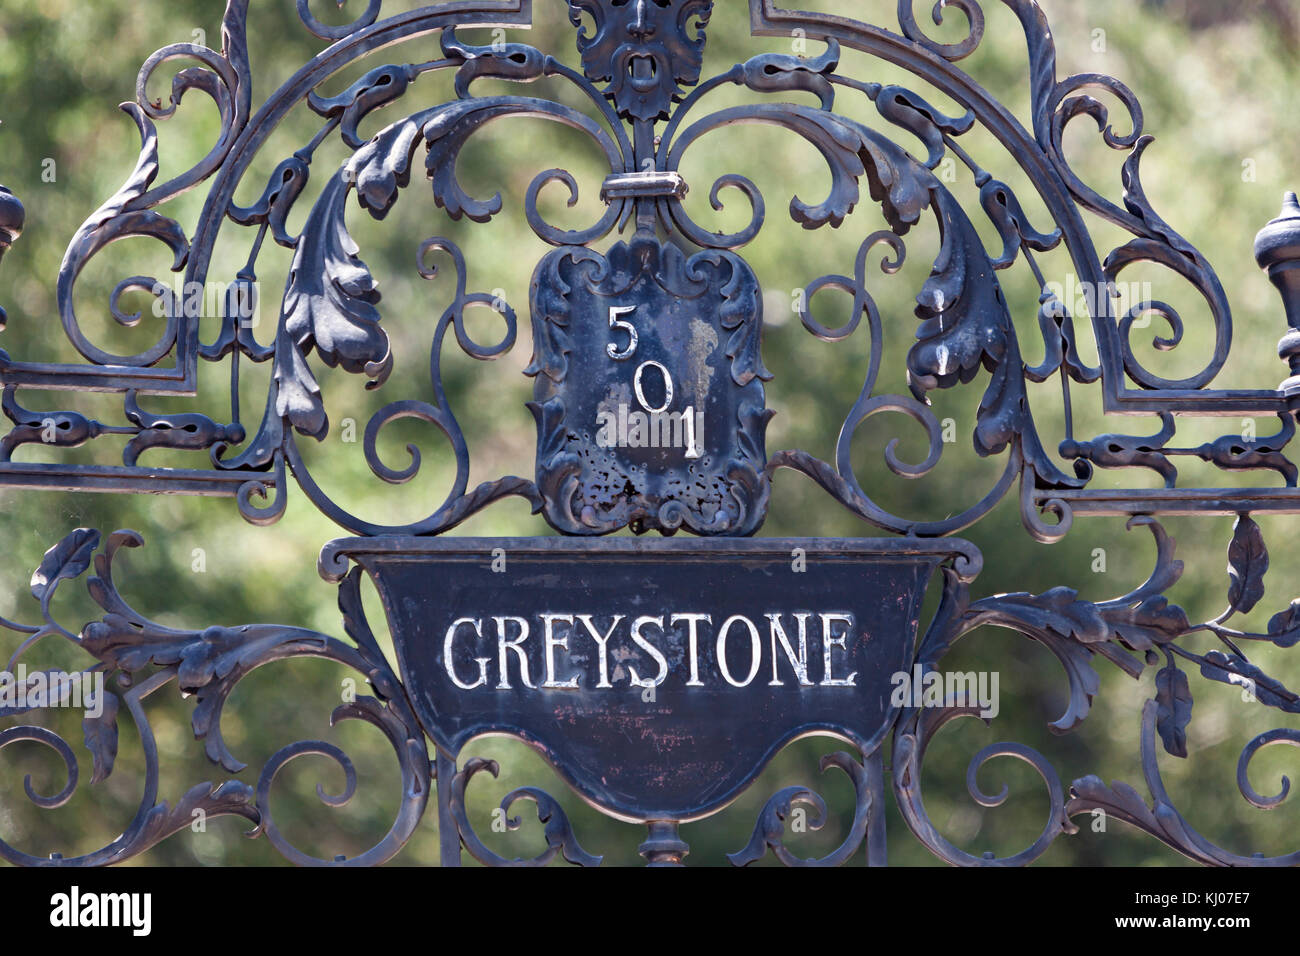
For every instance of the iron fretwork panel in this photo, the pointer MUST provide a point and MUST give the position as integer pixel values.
(645, 91)
(644, 325)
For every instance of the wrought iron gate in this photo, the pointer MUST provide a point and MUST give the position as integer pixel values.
(651, 413)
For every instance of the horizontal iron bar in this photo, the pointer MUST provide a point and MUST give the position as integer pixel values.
(96, 378)
(1227, 403)
(118, 478)
(1122, 502)
(334, 557)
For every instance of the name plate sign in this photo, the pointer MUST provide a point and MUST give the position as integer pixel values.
(657, 676)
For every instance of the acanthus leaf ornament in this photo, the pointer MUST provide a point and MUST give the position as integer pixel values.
(1247, 565)
(1174, 700)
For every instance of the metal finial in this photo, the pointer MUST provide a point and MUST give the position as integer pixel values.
(1277, 250)
(12, 216)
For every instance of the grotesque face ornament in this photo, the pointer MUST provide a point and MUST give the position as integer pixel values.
(645, 50)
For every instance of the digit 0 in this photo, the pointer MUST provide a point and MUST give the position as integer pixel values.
(668, 386)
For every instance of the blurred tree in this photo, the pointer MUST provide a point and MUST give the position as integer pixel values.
(1207, 14)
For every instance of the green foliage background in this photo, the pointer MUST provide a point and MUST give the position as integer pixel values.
(1218, 84)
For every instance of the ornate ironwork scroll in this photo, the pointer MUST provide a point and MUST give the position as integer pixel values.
(144, 657)
(650, 390)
